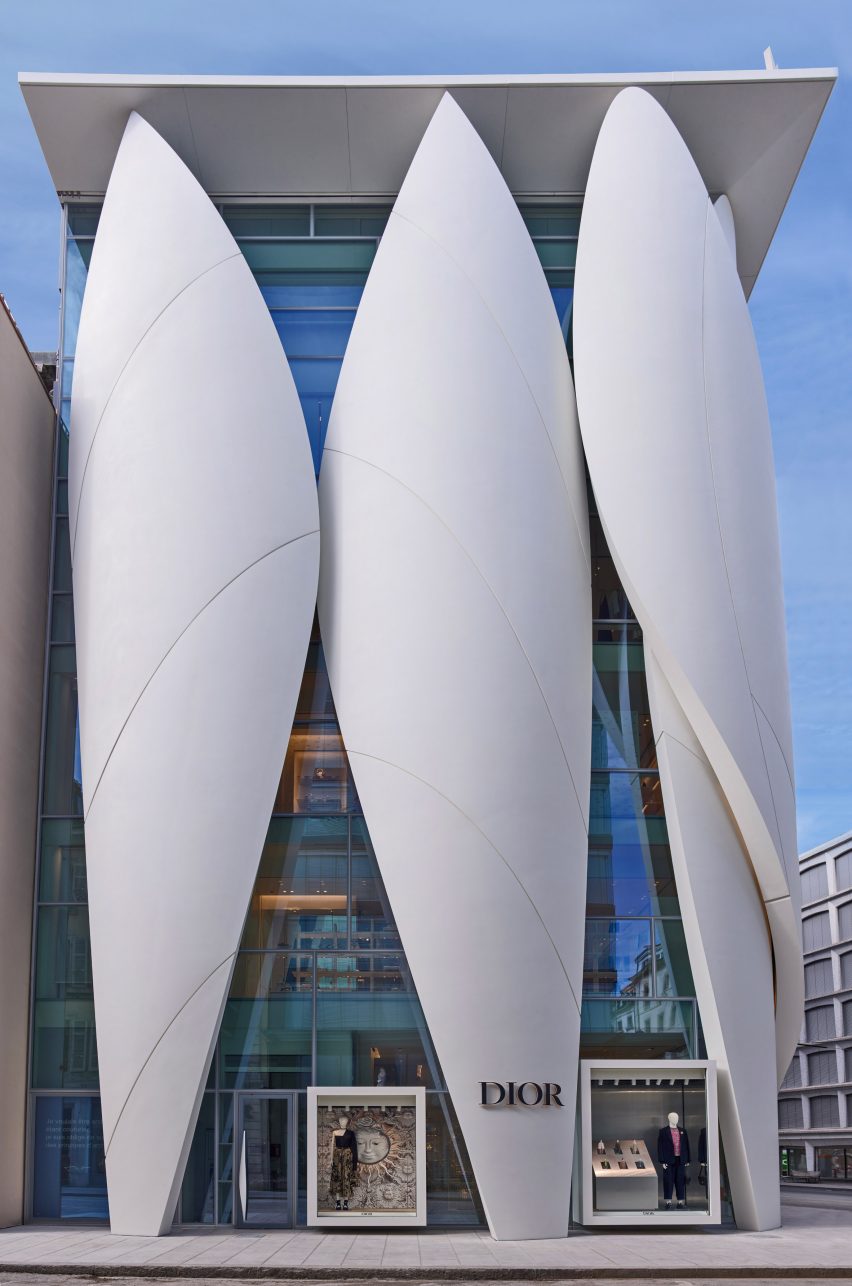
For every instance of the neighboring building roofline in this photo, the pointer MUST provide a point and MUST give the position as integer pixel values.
(820, 849)
(23, 342)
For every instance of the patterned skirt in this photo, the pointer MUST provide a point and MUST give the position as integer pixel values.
(342, 1179)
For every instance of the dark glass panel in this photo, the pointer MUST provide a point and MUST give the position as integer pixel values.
(631, 1028)
(62, 619)
(83, 219)
(268, 220)
(617, 958)
(609, 601)
(309, 262)
(265, 1040)
(62, 870)
(560, 253)
(62, 462)
(65, 1054)
(198, 1191)
(451, 1193)
(372, 918)
(301, 891)
(62, 557)
(370, 1027)
(630, 872)
(226, 1158)
(69, 1172)
(551, 220)
(350, 220)
(315, 699)
(620, 632)
(62, 498)
(674, 976)
(315, 778)
(63, 954)
(63, 791)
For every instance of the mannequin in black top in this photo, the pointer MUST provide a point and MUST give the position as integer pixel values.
(673, 1156)
(344, 1163)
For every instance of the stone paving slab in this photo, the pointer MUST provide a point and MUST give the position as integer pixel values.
(814, 1243)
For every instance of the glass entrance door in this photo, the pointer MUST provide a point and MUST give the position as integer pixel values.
(266, 1175)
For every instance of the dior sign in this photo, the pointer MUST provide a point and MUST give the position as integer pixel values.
(525, 1094)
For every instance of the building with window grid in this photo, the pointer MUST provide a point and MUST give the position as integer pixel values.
(815, 1102)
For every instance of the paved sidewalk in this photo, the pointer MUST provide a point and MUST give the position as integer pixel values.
(815, 1241)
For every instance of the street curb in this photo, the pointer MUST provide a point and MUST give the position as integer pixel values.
(425, 1273)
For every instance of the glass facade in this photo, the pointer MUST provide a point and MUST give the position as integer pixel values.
(321, 993)
(638, 993)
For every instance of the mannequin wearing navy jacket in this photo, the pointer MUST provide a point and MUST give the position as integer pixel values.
(673, 1156)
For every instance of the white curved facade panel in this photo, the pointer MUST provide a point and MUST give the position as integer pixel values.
(195, 563)
(677, 440)
(730, 954)
(456, 618)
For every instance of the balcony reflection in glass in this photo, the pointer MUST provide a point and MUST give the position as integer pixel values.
(301, 891)
(372, 919)
(265, 1039)
(370, 1027)
(315, 778)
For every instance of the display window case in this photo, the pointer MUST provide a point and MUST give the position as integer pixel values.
(366, 1157)
(648, 1143)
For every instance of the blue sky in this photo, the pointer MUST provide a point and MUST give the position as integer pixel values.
(802, 305)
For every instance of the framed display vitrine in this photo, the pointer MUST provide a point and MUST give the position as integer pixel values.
(366, 1157)
(648, 1143)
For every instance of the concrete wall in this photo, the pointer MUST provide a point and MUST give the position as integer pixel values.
(26, 469)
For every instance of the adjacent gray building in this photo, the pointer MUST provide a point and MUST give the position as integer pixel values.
(815, 1101)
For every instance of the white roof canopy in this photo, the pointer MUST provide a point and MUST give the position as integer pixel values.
(354, 137)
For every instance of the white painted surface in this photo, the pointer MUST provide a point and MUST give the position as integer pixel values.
(356, 135)
(455, 610)
(195, 530)
(677, 440)
(730, 955)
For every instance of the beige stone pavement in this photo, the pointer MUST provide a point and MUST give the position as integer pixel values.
(815, 1240)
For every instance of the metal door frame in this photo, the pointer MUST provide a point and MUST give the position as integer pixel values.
(292, 1158)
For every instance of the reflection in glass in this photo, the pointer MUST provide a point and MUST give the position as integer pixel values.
(315, 699)
(64, 955)
(673, 973)
(315, 778)
(350, 220)
(617, 958)
(265, 1039)
(63, 789)
(300, 894)
(62, 869)
(197, 1194)
(372, 919)
(267, 220)
(451, 1194)
(633, 1028)
(65, 1053)
(62, 557)
(62, 619)
(78, 255)
(370, 1027)
(69, 1172)
(622, 735)
(630, 871)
